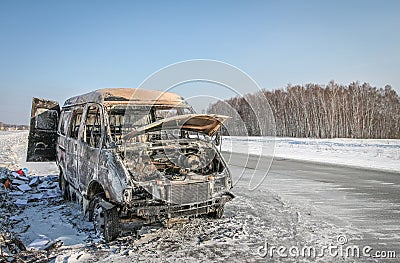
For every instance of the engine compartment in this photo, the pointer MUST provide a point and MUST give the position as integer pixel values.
(177, 159)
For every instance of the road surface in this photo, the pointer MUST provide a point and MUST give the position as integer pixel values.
(365, 202)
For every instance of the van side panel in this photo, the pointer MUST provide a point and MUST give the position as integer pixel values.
(65, 118)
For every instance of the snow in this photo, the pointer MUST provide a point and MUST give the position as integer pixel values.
(375, 154)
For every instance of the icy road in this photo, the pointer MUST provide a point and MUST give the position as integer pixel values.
(300, 206)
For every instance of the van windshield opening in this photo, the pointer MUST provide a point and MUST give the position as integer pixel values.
(124, 119)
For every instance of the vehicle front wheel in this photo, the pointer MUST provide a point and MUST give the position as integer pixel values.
(105, 218)
(218, 213)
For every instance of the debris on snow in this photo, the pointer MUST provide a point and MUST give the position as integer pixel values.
(21, 202)
(24, 187)
(14, 200)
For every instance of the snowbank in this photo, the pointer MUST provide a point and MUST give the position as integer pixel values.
(365, 153)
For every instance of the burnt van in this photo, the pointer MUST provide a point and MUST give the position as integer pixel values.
(132, 157)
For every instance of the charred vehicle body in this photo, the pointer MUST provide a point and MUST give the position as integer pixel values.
(132, 156)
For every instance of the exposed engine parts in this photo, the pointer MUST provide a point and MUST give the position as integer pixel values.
(173, 160)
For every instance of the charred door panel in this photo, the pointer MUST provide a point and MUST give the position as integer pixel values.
(87, 165)
(43, 131)
(74, 135)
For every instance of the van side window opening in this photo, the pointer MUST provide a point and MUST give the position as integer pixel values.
(115, 125)
(75, 123)
(64, 120)
(92, 133)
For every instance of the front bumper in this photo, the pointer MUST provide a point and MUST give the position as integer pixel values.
(153, 213)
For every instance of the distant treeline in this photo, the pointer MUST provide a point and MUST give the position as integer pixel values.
(8, 127)
(331, 111)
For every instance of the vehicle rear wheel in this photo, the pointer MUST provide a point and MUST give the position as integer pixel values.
(105, 218)
(64, 187)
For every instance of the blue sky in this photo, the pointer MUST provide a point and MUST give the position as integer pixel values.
(57, 49)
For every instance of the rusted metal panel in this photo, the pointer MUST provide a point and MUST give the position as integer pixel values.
(113, 175)
(127, 95)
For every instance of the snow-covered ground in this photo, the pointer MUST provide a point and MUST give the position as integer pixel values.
(54, 230)
(365, 153)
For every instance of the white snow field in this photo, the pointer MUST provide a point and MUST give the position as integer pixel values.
(377, 154)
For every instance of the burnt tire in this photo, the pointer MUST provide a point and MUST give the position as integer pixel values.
(64, 188)
(218, 213)
(105, 221)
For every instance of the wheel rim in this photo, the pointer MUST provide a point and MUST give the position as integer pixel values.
(64, 189)
(98, 219)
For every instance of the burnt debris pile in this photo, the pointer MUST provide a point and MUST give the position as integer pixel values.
(17, 190)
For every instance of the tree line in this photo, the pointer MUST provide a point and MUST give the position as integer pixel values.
(8, 127)
(330, 111)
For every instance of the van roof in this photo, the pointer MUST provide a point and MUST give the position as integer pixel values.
(112, 96)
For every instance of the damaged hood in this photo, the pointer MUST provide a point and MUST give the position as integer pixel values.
(203, 123)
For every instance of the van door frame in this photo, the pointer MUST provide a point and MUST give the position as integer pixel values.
(88, 156)
(71, 157)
